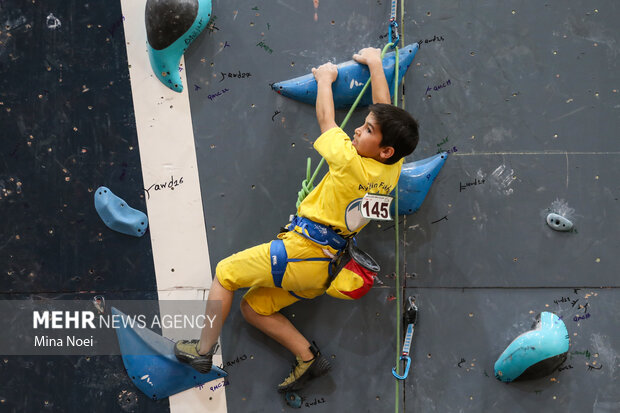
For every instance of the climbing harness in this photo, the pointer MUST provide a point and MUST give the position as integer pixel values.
(317, 233)
(351, 271)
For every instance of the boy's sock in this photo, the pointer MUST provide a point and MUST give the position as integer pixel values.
(186, 351)
(305, 370)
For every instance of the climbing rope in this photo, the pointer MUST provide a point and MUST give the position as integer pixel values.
(396, 223)
(307, 184)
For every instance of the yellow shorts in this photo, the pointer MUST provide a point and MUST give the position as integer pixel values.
(252, 268)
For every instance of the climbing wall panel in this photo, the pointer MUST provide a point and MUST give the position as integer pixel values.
(524, 99)
(67, 122)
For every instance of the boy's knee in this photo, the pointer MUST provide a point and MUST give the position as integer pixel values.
(247, 310)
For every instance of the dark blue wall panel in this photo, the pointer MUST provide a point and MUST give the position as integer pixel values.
(67, 126)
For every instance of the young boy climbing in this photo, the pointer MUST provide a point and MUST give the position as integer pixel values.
(294, 266)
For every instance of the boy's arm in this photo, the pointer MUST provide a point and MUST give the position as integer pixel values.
(380, 89)
(325, 75)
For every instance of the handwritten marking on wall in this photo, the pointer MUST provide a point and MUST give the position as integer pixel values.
(581, 317)
(265, 47)
(439, 220)
(274, 115)
(237, 75)
(448, 151)
(434, 39)
(592, 367)
(445, 140)
(438, 87)
(220, 93)
(220, 385)
(468, 184)
(585, 353)
(211, 27)
(171, 184)
(315, 402)
(237, 360)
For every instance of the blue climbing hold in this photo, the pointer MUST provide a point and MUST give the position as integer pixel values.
(171, 26)
(415, 181)
(150, 362)
(352, 77)
(119, 216)
(293, 399)
(536, 353)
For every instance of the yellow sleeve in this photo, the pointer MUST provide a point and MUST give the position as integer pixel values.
(335, 146)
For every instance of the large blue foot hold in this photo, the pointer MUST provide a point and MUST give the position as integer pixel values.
(415, 181)
(536, 353)
(171, 26)
(151, 364)
(119, 216)
(352, 77)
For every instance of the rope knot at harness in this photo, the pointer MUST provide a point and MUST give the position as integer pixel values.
(306, 188)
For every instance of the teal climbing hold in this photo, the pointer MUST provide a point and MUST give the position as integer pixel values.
(171, 26)
(415, 181)
(151, 364)
(119, 216)
(293, 399)
(352, 77)
(558, 222)
(536, 353)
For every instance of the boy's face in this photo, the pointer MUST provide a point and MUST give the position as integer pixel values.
(367, 141)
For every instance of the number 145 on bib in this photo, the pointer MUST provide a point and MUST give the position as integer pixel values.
(375, 206)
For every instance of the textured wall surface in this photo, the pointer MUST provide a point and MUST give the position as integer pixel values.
(523, 94)
(67, 127)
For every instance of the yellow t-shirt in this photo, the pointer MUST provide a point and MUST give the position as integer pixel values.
(336, 200)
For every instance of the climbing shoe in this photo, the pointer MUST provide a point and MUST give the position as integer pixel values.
(305, 370)
(186, 351)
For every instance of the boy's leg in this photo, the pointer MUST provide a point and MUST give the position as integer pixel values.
(280, 329)
(309, 361)
(243, 269)
(199, 353)
(218, 303)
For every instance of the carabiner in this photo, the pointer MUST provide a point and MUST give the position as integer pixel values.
(407, 364)
(393, 36)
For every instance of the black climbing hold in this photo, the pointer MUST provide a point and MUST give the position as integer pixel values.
(168, 20)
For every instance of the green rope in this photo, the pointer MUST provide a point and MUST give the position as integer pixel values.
(397, 271)
(397, 249)
(306, 185)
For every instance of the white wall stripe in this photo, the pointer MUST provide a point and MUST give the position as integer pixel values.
(176, 220)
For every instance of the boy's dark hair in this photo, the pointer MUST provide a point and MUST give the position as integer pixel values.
(398, 129)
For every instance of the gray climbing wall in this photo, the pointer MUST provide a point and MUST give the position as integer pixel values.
(525, 97)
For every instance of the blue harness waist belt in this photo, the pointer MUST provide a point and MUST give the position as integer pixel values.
(318, 233)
